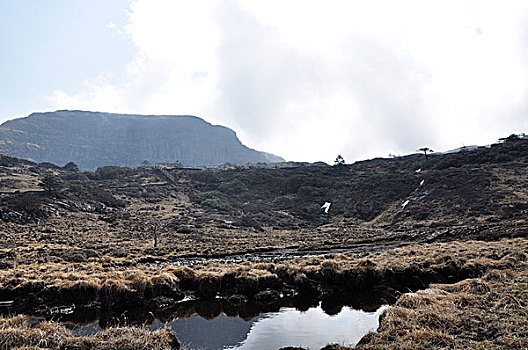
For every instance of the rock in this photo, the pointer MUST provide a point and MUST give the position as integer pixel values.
(237, 299)
(267, 296)
(334, 347)
(174, 343)
(6, 264)
(162, 302)
(87, 207)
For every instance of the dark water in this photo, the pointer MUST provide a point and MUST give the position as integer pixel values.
(312, 328)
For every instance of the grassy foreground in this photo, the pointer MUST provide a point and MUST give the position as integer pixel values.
(488, 310)
(478, 313)
(403, 269)
(19, 332)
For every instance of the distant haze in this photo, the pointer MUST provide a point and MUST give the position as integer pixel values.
(303, 79)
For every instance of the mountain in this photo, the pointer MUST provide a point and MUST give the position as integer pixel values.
(94, 139)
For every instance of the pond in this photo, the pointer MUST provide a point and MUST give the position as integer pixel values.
(312, 328)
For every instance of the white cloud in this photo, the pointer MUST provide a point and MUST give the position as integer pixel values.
(308, 79)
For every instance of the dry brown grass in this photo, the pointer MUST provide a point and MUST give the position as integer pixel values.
(486, 311)
(19, 332)
(481, 313)
(409, 267)
(505, 253)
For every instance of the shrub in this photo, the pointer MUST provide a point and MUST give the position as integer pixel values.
(212, 199)
(79, 176)
(503, 158)
(202, 196)
(311, 212)
(28, 204)
(71, 166)
(310, 192)
(51, 184)
(449, 163)
(290, 184)
(48, 165)
(233, 187)
(248, 221)
(10, 161)
(109, 172)
(216, 203)
(205, 176)
(90, 190)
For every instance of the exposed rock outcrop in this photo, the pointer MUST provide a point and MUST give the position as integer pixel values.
(93, 139)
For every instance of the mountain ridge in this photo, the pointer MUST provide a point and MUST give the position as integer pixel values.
(93, 139)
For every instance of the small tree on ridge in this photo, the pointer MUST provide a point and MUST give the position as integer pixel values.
(71, 166)
(50, 183)
(426, 150)
(339, 160)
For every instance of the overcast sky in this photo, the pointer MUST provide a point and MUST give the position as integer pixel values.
(305, 80)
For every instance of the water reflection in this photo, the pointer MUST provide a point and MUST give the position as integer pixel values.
(231, 324)
(287, 326)
(312, 329)
(199, 333)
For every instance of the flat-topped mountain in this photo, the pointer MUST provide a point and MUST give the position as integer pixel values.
(93, 139)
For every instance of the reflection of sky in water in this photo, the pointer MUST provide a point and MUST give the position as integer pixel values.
(289, 327)
(312, 328)
(198, 333)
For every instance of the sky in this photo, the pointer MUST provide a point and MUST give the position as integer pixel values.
(306, 80)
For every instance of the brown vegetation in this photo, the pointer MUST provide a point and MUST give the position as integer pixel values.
(20, 332)
(487, 309)
(393, 271)
(478, 313)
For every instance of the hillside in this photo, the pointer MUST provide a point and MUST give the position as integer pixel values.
(473, 194)
(93, 139)
(167, 243)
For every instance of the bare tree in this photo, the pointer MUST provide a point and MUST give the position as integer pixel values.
(155, 234)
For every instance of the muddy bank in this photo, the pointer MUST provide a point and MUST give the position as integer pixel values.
(382, 286)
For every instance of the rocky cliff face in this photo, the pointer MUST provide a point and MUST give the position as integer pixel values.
(93, 139)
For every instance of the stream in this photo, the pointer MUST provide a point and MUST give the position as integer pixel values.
(278, 255)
